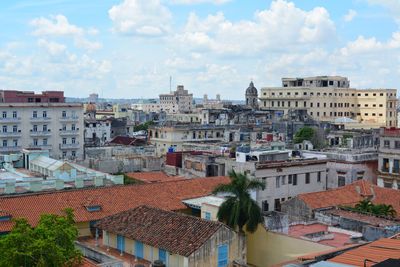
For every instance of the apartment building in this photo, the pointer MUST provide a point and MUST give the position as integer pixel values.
(327, 98)
(13, 96)
(172, 137)
(57, 127)
(389, 158)
(179, 101)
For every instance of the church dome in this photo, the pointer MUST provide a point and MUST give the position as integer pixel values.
(90, 107)
(251, 90)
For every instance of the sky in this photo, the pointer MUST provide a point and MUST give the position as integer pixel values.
(131, 48)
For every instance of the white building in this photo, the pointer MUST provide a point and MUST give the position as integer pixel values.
(57, 127)
(389, 158)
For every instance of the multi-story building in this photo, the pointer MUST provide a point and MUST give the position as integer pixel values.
(57, 127)
(172, 137)
(327, 98)
(179, 101)
(12, 96)
(389, 158)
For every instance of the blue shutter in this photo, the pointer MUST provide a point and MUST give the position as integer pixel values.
(120, 243)
(162, 255)
(223, 255)
(208, 216)
(139, 249)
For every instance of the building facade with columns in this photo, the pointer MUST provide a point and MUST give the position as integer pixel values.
(327, 98)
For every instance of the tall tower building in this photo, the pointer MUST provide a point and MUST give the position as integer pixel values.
(252, 96)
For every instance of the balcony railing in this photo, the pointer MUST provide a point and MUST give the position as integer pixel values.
(10, 120)
(69, 132)
(40, 133)
(10, 134)
(40, 119)
(69, 118)
(40, 146)
(9, 148)
(70, 146)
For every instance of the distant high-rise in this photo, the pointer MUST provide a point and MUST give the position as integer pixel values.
(93, 98)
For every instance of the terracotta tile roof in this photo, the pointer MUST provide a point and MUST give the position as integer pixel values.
(152, 177)
(176, 233)
(376, 251)
(351, 194)
(127, 141)
(168, 196)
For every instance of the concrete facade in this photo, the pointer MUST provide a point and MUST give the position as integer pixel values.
(57, 127)
(327, 98)
(389, 158)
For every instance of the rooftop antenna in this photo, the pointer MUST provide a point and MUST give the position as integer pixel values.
(170, 84)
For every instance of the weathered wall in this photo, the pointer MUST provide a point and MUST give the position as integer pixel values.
(296, 209)
(207, 255)
(265, 248)
(83, 228)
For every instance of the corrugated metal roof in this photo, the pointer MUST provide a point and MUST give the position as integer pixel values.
(47, 163)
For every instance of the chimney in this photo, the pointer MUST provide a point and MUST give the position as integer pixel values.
(98, 181)
(35, 186)
(79, 182)
(59, 184)
(10, 188)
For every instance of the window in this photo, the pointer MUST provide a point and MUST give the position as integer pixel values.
(64, 141)
(341, 181)
(283, 180)
(15, 142)
(207, 216)
(277, 182)
(45, 128)
(265, 206)
(64, 114)
(294, 182)
(397, 144)
(93, 208)
(120, 243)
(319, 177)
(277, 204)
(290, 179)
(35, 128)
(14, 114)
(34, 114)
(307, 178)
(4, 114)
(45, 141)
(4, 128)
(73, 154)
(35, 142)
(64, 127)
(386, 143)
(64, 154)
(4, 143)
(44, 114)
(15, 128)
(73, 127)
(73, 140)
(162, 255)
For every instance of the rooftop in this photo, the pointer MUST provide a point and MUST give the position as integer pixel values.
(198, 202)
(351, 194)
(374, 252)
(174, 232)
(153, 177)
(169, 196)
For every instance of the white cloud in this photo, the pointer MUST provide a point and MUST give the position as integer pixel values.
(52, 48)
(147, 18)
(282, 26)
(192, 2)
(393, 6)
(351, 14)
(57, 25)
(86, 44)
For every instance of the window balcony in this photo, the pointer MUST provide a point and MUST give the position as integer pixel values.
(48, 147)
(69, 118)
(10, 120)
(70, 146)
(10, 148)
(10, 134)
(69, 132)
(40, 119)
(40, 133)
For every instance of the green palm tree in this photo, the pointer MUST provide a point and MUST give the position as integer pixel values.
(239, 209)
(364, 205)
(384, 210)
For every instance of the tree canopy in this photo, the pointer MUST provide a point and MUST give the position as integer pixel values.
(366, 206)
(50, 243)
(239, 209)
(305, 133)
(143, 126)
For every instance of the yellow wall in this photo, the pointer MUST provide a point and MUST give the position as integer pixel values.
(83, 228)
(265, 248)
(213, 210)
(150, 253)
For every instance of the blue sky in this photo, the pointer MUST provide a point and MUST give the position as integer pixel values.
(129, 48)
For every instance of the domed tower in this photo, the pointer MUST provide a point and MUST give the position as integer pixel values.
(252, 96)
(91, 111)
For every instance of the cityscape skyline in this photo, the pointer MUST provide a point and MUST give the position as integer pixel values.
(209, 46)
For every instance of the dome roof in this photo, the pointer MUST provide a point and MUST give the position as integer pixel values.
(251, 90)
